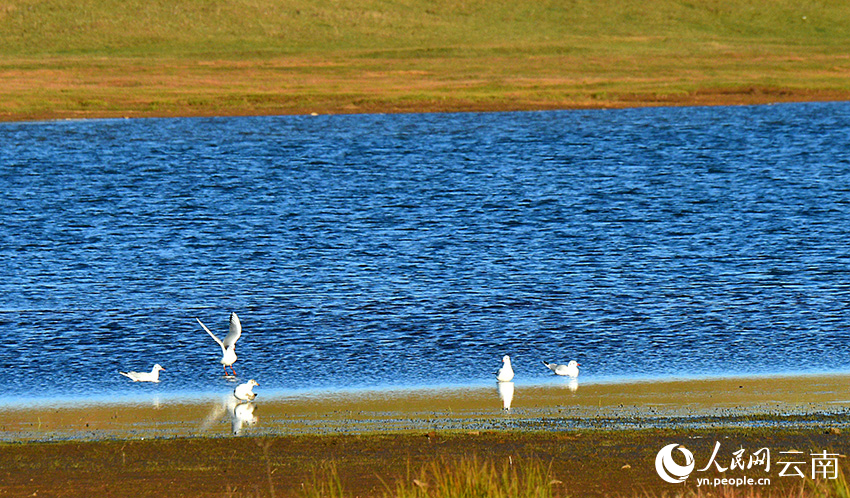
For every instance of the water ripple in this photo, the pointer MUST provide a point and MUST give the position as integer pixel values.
(417, 249)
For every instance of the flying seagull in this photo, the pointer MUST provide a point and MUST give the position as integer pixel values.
(228, 345)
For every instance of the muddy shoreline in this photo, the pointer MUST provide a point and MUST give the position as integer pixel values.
(702, 98)
(600, 438)
(561, 405)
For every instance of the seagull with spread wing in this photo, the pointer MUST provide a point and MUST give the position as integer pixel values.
(228, 345)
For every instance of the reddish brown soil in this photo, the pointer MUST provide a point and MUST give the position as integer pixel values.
(284, 104)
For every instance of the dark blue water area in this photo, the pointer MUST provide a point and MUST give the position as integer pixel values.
(384, 251)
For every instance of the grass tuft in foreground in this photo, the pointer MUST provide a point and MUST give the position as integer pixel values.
(468, 477)
(835, 488)
(472, 477)
(325, 482)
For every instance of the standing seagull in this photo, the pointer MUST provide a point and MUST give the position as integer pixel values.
(506, 373)
(570, 369)
(228, 345)
(245, 392)
(152, 376)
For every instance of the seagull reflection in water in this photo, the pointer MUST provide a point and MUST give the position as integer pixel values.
(506, 394)
(241, 415)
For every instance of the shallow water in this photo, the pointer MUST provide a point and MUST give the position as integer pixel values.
(415, 250)
(799, 402)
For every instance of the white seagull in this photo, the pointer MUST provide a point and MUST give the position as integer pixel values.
(228, 345)
(245, 391)
(570, 369)
(152, 376)
(506, 373)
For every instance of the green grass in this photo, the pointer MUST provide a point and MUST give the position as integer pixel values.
(473, 477)
(470, 477)
(257, 56)
(412, 28)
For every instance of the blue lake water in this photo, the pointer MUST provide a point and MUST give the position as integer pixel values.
(376, 251)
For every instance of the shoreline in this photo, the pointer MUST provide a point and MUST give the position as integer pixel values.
(596, 440)
(803, 400)
(721, 98)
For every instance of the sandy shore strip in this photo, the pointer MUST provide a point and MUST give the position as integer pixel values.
(805, 400)
(596, 439)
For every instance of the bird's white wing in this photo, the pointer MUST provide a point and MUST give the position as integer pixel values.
(235, 331)
(210, 333)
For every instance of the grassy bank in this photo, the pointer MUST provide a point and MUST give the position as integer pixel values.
(436, 464)
(87, 58)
